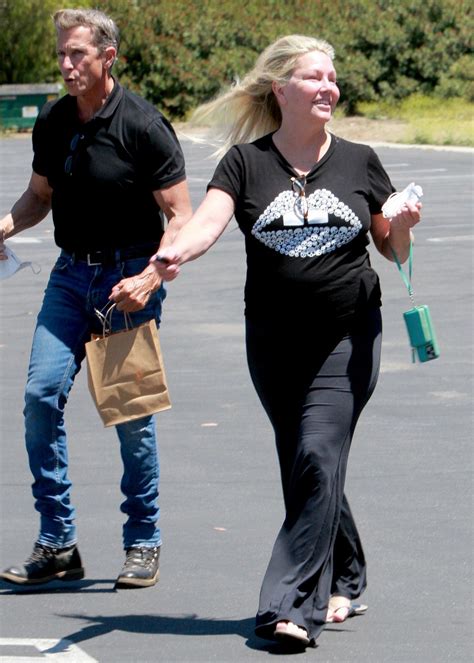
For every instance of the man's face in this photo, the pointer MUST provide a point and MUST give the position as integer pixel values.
(82, 65)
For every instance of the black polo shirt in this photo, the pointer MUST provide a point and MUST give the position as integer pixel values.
(103, 172)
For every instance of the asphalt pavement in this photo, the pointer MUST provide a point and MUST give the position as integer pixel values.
(409, 480)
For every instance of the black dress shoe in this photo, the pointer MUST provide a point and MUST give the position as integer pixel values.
(46, 564)
(141, 568)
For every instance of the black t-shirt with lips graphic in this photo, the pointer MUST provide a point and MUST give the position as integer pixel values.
(315, 268)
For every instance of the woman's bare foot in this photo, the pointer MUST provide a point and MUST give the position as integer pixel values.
(340, 608)
(289, 631)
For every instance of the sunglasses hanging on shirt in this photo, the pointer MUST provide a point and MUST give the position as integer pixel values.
(73, 149)
(301, 203)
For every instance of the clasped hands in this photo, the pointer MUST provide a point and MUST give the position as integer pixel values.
(166, 263)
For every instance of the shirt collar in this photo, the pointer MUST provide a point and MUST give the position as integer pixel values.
(111, 103)
(108, 109)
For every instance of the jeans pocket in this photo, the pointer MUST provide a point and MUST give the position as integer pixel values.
(152, 309)
(133, 267)
(62, 263)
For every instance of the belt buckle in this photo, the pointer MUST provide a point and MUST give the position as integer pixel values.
(90, 259)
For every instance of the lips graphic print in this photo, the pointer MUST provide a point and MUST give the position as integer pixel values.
(306, 239)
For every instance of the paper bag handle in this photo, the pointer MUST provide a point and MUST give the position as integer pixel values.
(106, 319)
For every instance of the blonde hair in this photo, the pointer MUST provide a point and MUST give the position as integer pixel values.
(104, 31)
(249, 109)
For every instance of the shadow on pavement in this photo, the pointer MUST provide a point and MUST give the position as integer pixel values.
(185, 625)
(59, 587)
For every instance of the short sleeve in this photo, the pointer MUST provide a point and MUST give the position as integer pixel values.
(228, 175)
(161, 158)
(380, 186)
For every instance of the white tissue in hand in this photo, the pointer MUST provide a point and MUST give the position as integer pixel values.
(396, 201)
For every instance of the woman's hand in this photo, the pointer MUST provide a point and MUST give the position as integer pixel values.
(396, 233)
(166, 263)
(406, 218)
(196, 237)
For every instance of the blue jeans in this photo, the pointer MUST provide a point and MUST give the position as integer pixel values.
(65, 323)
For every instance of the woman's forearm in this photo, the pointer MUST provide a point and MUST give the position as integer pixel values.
(398, 241)
(203, 230)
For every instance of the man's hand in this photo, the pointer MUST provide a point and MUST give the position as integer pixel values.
(30, 208)
(133, 293)
(2, 245)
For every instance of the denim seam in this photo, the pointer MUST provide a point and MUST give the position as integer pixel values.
(55, 412)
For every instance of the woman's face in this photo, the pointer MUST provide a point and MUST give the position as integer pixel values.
(311, 90)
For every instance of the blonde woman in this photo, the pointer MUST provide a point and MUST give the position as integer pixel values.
(306, 202)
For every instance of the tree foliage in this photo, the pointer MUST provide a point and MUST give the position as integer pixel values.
(27, 40)
(178, 53)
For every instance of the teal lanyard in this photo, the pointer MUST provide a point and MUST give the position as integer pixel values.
(406, 279)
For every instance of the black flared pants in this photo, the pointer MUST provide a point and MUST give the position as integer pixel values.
(313, 384)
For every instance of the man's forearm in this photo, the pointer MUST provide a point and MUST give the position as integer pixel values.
(149, 277)
(174, 226)
(29, 210)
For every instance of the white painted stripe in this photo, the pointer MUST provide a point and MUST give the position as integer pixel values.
(450, 226)
(388, 166)
(25, 240)
(451, 238)
(450, 395)
(456, 177)
(396, 367)
(56, 651)
(429, 170)
(438, 148)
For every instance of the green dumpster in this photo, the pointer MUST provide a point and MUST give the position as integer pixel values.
(20, 104)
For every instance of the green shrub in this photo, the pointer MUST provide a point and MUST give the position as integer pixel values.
(28, 40)
(458, 81)
(427, 120)
(179, 53)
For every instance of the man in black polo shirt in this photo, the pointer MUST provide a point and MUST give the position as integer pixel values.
(108, 165)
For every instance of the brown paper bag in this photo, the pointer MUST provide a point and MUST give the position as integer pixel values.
(126, 375)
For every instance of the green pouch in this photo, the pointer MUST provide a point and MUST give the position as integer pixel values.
(418, 321)
(421, 333)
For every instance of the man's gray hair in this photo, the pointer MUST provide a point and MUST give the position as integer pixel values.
(105, 32)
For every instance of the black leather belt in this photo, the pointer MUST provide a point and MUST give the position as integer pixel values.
(113, 256)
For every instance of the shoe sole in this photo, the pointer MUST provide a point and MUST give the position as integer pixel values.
(288, 637)
(132, 583)
(291, 641)
(73, 574)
